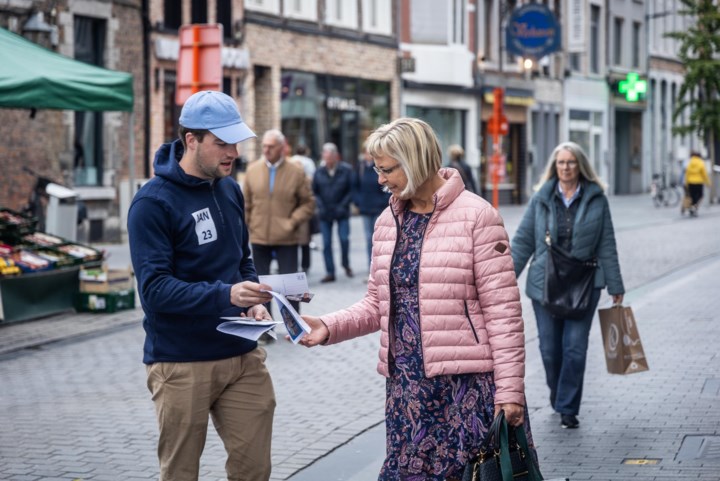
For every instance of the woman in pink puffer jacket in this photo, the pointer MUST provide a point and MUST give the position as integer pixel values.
(443, 292)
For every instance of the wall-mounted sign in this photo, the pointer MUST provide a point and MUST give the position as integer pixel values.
(339, 103)
(533, 31)
(406, 64)
(633, 87)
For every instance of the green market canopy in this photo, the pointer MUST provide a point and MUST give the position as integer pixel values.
(34, 77)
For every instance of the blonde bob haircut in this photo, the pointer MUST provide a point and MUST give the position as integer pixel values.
(413, 143)
(587, 173)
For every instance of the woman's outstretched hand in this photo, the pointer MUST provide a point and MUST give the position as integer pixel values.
(319, 334)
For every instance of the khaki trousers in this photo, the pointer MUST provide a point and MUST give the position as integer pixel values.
(237, 393)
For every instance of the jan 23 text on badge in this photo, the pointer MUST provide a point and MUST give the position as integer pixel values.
(204, 226)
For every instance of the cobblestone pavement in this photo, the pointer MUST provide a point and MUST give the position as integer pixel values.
(73, 402)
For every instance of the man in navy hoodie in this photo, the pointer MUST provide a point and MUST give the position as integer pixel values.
(190, 251)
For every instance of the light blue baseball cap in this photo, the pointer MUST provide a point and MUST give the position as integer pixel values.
(216, 112)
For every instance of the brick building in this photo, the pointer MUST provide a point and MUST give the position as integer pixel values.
(86, 151)
(319, 72)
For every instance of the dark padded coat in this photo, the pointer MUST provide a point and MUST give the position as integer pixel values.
(592, 236)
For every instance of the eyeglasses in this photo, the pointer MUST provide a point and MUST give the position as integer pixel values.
(385, 172)
(566, 163)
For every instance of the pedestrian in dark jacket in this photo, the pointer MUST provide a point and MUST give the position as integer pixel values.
(369, 197)
(190, 249)
(457, 161)
(572, 206)
(332, 185)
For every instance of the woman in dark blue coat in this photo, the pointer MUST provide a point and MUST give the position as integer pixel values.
(572, 205)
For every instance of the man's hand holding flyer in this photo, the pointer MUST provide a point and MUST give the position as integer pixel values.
(285, 287)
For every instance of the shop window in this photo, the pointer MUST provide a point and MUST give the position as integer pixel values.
(575, 62)
(171, 112)
(301, 109)
(428, 23)
(300, 9)
(224, 16)
(488, 17)
(172, 14)
(374, 99)
(439, 23)
(322, 108)
(448, 124)
(636, 45)
(342, 13)
(198, 11)
(377, 16)
(594, 39)
(617, 41)
(458, 19)
(89, 45)
(265, 6)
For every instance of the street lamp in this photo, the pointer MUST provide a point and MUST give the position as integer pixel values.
(36, 28)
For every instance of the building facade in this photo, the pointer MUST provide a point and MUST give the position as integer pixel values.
(321, 71)
(86, 151)
(664, 152)
(438, 39)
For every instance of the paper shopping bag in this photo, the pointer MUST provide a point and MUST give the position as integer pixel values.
(624, 352)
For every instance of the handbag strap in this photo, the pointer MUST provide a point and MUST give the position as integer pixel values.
(505, 462)
(492, 440)
(548, 239)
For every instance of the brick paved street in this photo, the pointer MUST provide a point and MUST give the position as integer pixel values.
(77, 408)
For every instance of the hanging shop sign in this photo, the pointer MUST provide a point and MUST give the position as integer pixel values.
(633, 88)
(533, 31)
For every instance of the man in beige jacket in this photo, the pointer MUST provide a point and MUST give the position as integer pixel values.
(278, 200)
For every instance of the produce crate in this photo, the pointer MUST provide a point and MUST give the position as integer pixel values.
(84, 254)
(57, 258)
(103, 280)
(42, 239)
(14, 225)
(108, 302)
(29, 261)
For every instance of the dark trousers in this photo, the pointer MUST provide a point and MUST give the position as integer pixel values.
(563, 348)
(696, 193)
(305, 257)
(326, 228)
(287, 259)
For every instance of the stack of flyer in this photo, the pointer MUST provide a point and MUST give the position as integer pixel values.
(284, 288)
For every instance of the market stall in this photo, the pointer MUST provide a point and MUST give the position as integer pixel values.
(38, 271)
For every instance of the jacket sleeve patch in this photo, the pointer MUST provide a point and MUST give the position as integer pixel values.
(500, 247)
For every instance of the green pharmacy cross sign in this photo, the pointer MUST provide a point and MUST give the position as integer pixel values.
(633, 87)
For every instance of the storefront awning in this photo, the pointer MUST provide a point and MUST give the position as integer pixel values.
(34, 77)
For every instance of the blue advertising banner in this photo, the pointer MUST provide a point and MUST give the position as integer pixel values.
(533, 31)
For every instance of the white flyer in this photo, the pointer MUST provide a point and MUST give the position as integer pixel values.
(248, 327)
(294, 284)
(295, 325)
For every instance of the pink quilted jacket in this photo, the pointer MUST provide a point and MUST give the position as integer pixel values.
(470, 314)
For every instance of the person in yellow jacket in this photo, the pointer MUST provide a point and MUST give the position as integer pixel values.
(695, 177)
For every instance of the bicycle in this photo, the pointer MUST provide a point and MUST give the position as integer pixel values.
(663, 194)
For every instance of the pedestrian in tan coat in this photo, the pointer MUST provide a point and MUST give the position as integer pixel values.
(278, 201)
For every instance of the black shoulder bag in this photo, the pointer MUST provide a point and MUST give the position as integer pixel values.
(569, 282)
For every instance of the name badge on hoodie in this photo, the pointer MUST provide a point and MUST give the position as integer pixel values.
(204, 226)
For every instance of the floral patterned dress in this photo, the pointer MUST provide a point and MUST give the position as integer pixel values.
(432, 424)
